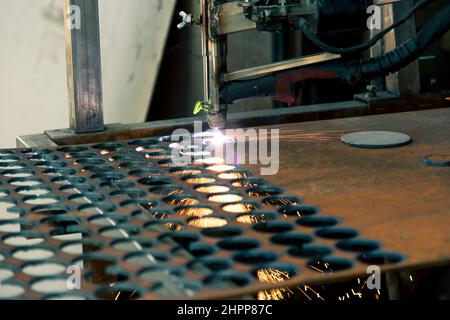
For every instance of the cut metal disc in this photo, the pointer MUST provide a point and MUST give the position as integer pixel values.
(437, 160)
(376, 139)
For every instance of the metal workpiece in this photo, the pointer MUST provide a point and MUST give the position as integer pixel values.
(84, 72)
(143, 226)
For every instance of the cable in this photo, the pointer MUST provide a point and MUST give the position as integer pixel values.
(409, 51)
(305, 27)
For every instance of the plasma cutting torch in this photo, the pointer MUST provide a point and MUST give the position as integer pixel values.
(282, 80)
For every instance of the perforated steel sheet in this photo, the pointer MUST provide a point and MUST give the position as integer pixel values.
(140, 226)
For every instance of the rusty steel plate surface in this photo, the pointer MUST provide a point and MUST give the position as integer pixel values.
(142, 227)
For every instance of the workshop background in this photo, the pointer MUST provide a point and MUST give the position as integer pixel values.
(151, 70)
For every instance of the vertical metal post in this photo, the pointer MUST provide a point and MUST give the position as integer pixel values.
(84, 73)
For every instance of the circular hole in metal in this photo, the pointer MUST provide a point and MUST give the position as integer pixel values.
(9, 158)
(99, 168)
(118, 184)
(194, 211)
(16, 225)
(336, 233)
(109, 176)
(99, 207)
(152, 149)
(87, 197)
(134, 164)
(23, 238)
(6, 272)
(120, 291)
(72, 230)
(44, 157)
(167, 190)
(210, 161)
(318, 221)
(132, 244)
(51, 164)
(61, 221)
(109, 274)
(143, 202)
(255, 257)
(264, 191)
(358, 245)
(132, 193)
(12, 165)
(78, 247)
(239, 244)
(256, 217)
(172, 164)
(310, 250)
(380, 257)
(222, 232)
(33, 253)
(207, 222)
(144, 258)
(158, 213)
(226, 198)
(165, 224)
(212, 188)
(107, 219)
(81, 155)
(73, 296)
(109, 146)
(159, 155)
(11, 289)
(155, 181)
(182, 238)
(18, 173)
(60, 172)
(64, 180)
(292, 238)
(151, 174)
(235, 174)
(77, 188)
(199, 179)
(220, 168)
(273, 227)
(50, 209)
(181, 200)
(90, 161)
(186, 171)
(42, 199)
(248, 182)
(53, 284)
(6, 207)
(6, 152)
(240, 207)
(298, 211)
(214, 264)
(26, 181)
(33, 190)
(281, 200)
(117, 232)
(225, 278)
(328, 264)
(152, 273)
(43, 268)
(195, 250)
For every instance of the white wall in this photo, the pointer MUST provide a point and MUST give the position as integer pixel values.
(33, 92)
